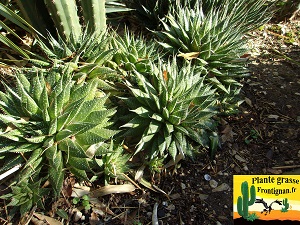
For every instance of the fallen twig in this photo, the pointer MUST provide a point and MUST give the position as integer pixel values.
(286, 167)
(286, 57)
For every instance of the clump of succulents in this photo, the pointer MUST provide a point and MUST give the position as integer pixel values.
(207, 40)
(59, 120)
(133, 53)
(212, 38)
(169, 108)
(51, 125)
(90, 54)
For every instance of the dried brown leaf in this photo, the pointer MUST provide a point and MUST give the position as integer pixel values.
(239, 158)
(79, 191)
(94, 220)
(274, 171)
(249, 102)
(139, 173)
(227, 134)
(48, 219)
(190, 55)
(111, 189)
(273, 117)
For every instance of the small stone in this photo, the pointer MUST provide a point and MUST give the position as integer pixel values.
(207, 177)
(183, 186)
(273, 117)
(161, 213)
(269, 154)
(245, 168)
(213, 183)
(175, 196)
(249, 102)
(192, 209)
(171, 207)
(222, 187)
(77, 215)
(203, 197)
(289, 106)
(218, 223)
(222, 218)
(237, 169)
(239, 158)
(290, 162)
(164, 203)
(274, 171)
(299, 154)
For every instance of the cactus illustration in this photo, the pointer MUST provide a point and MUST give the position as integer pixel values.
(286, 205)
(243, 202)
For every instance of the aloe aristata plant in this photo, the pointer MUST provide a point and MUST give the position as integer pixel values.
(50, 126)
(133, 53)
(210, 40)
(170, 107)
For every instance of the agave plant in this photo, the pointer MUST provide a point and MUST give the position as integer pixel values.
(169, 108)
(51, 125)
